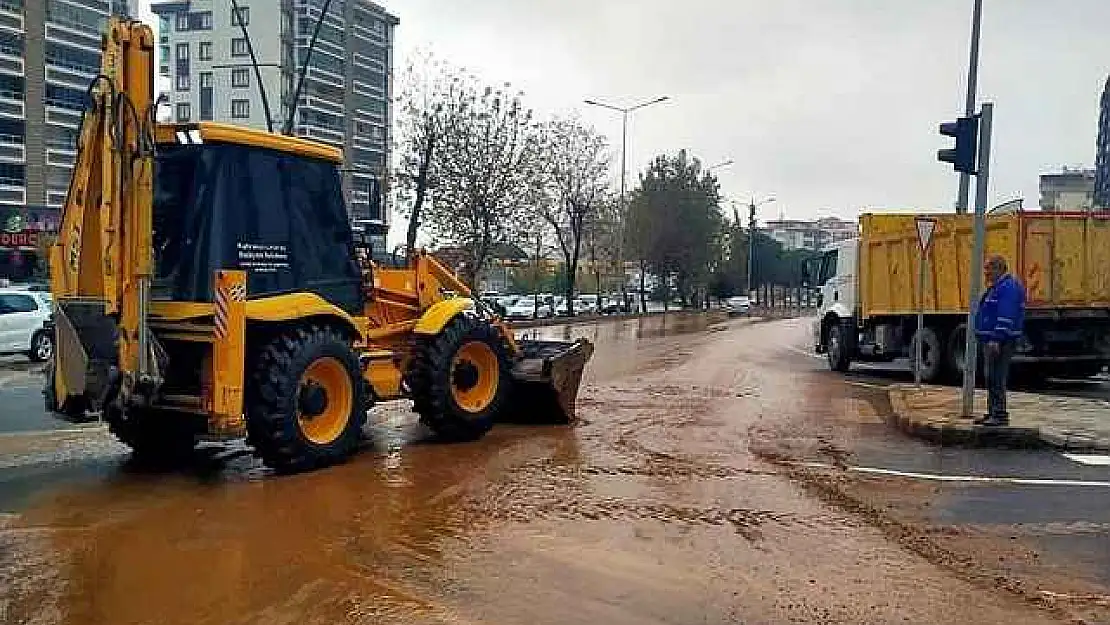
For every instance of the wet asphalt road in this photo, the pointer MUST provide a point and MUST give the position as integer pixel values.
(653, 510)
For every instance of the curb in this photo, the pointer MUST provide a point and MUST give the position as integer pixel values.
(951, 430)
(568, 321)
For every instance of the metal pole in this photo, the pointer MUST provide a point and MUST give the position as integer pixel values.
(751, 244)
(624, 206)
(920, 318)
(254, 62)
(292, 119)
(972, 86)
(976, 269)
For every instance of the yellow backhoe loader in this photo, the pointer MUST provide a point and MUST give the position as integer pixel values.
(207, 284)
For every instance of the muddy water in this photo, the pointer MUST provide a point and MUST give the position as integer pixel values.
(650, 511)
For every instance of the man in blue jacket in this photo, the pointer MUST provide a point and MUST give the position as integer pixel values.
(998, 324)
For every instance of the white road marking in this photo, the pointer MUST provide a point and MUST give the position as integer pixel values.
(798, 350)
(1094, 460)
(978, 479)
(865, 384)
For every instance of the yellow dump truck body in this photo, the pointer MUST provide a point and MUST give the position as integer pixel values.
(1062, 258)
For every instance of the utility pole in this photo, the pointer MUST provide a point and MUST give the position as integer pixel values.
(972, 86)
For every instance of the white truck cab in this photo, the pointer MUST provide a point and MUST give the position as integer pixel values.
(838, 300)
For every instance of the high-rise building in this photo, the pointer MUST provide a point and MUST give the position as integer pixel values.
(1102, 152)
(345, 100)
(49, 53)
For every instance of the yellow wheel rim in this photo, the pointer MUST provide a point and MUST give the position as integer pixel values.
(475, 374)
(322, 418)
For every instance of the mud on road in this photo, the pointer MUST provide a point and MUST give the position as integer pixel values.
(654, 509)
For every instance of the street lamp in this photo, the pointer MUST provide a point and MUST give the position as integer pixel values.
(720, 165)
(751, 236)
(624, 111)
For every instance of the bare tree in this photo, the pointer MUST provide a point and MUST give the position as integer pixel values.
(575, 185)
(485, 175)
(433, 94)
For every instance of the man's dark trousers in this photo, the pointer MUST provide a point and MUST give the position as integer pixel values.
(997, 370)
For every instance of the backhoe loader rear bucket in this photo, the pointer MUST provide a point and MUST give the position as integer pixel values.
(546, 380)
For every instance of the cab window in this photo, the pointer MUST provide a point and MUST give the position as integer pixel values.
(828, 267)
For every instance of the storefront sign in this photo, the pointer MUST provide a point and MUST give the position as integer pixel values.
(25, 238)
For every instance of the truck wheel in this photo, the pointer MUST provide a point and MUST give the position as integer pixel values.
(459, 379)
(154, 436)
(306, 406)
(840, 346)
(932, 357)
(954, 354)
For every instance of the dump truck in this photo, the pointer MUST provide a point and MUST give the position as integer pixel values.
(207, 284)
(869, 296)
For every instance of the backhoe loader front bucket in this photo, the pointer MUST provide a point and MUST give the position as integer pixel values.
(546, 380)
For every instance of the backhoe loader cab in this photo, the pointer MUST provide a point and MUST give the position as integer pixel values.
(207, 284)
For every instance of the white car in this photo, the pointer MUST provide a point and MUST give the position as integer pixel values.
(26, 323)
(738, 305)
(525, 308)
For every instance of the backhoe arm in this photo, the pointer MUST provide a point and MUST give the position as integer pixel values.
(101, 265)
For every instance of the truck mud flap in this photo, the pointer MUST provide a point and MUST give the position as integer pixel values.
(546, 381)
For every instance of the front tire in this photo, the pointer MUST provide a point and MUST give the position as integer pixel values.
(460, 378)
(306, 407)
(840, 346)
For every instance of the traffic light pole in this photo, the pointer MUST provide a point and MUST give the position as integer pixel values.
(972, 86)
(982, 179)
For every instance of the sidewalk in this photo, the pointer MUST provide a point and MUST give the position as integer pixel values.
(1074, 424)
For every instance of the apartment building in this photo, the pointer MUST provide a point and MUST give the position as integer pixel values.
(345, 99)
(49, 53)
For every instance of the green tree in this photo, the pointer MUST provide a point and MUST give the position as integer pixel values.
(675, 223)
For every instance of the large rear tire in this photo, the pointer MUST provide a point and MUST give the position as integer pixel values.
(460, 378)
(932, 356)
(306, 403)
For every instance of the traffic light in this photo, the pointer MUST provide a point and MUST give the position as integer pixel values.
(966, 132)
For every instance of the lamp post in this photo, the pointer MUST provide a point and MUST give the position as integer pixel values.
(624, 111)
(720, 165)
(751, 236)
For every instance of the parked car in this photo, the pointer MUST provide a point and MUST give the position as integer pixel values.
(585, 306)
(562, 309)
(26, 323)
(738, 305)
(525, 308)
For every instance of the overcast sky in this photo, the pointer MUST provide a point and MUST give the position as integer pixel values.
(832, 106)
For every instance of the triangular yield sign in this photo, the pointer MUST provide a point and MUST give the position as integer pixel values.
(925, 229)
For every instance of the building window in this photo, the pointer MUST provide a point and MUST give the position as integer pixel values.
(244, 16)
(182, 111)
(240, 109)
(182, 82)
(204, 51)
(182, 22)
(12, 174)
(239, 47)
(200, 21)
(206, 80)
(182, 51)
(240, 77)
